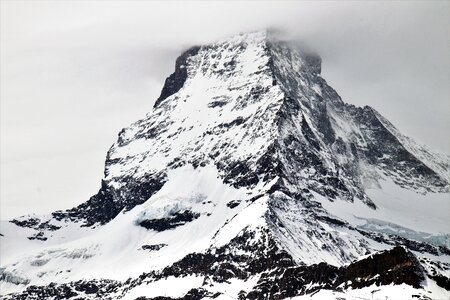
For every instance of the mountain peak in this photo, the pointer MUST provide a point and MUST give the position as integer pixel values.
(243, 54)
(258, 110)
(249, 175)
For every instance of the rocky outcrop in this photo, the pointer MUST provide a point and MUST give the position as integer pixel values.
(280, 277)
(395, 266)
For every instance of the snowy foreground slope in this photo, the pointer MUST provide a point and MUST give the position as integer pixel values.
(250, 179)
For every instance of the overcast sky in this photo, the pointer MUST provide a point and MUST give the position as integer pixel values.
(74, 73)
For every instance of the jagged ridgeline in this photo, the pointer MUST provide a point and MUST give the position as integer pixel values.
(251, 179)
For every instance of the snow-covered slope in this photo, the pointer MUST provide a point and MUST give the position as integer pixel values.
(248, 178)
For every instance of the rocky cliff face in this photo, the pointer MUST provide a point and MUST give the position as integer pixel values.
(250, 175)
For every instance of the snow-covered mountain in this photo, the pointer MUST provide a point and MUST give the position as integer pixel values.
(249, 179)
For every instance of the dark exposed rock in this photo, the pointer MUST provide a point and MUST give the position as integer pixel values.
(155, 247)
(324, 125)
(217, 103)
(384, 148)
(240, 175)
(38, 236)
(222, 264)
(233, 203)
(442, 281)
(176, 80)
(99, 289)
(331, 220)
(395, 266)
(193, 294)
(87, 287)
(235, 122)
(35, 223)
(38, 225)
(309, 135)
(269, 165)
(284, 283)
(109, 202)
(30, 223)
(174, 220)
